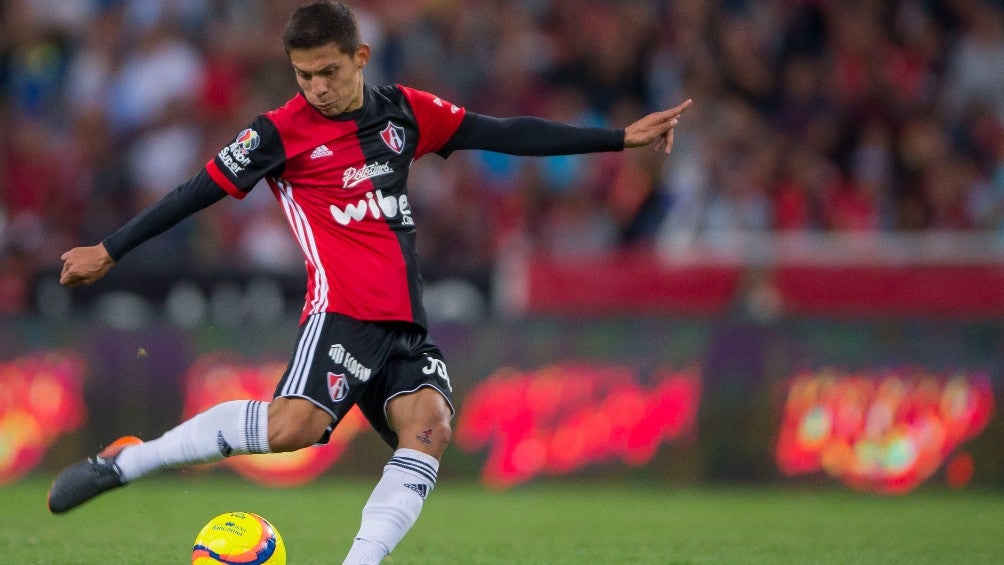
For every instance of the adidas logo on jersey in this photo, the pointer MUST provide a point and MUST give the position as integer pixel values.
(422, 490)
(321, 151)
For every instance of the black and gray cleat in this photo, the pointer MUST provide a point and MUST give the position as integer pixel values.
(82, 481)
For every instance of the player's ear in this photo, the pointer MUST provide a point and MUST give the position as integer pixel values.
(362, 56)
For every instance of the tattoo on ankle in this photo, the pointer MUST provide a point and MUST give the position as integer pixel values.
(425, 437)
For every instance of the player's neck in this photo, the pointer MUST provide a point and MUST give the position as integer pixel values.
(358, 99)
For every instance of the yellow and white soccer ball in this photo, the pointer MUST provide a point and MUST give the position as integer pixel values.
(239, 538)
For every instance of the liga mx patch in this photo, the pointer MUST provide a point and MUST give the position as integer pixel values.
(338, 386)
(248, 140)
(393, 136)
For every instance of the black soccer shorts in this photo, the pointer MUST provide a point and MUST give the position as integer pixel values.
(340, 362)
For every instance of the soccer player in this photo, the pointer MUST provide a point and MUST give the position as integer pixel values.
(336, 156)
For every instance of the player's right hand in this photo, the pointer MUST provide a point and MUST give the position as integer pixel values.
(84, 265)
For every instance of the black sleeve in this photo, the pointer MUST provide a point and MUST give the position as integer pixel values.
(530, 136)
(199, 192)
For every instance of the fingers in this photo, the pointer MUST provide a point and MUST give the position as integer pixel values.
(74, 280)
(64, 275)
(77, 275)
(684, 105)
(68, 279)
(68, 276)
(668, 145)
(665, 143)
(667, 119)
(676, 111)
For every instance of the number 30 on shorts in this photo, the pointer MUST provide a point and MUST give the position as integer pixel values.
(437, 366)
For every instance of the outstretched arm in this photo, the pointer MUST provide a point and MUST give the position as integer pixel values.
(85, 265)
(531, 136)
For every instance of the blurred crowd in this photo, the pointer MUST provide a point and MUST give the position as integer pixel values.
(809, 116)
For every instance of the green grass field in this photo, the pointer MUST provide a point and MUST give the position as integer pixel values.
(155, 521)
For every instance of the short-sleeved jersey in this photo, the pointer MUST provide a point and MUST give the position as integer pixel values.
(342, 184)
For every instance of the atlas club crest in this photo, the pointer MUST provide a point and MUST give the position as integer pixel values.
(338, 386)
(393, 136)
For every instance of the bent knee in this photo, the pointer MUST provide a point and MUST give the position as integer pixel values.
(431, 435)
(295, 424)
(286, 438)
(421, 421)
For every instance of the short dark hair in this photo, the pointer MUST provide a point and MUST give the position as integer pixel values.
(321, 23)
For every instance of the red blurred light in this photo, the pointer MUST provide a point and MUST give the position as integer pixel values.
(883, 432)
(959, 470)
(564, 417)
(41, 398)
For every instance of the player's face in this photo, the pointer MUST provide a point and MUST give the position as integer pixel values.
(331, 80)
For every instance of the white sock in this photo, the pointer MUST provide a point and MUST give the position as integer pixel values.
(231, 428)
(394, 506)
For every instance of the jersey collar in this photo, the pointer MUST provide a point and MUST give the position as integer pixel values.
(346, 116)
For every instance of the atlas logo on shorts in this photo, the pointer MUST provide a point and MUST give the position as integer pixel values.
(338, 386)
(393, 136)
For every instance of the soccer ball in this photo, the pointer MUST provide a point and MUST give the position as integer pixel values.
(239, 538)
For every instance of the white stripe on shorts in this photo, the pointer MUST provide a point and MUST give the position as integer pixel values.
(303, 358)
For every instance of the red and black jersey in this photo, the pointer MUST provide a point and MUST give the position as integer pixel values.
(342, 184)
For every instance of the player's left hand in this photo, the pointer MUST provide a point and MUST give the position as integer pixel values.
(656, 127)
